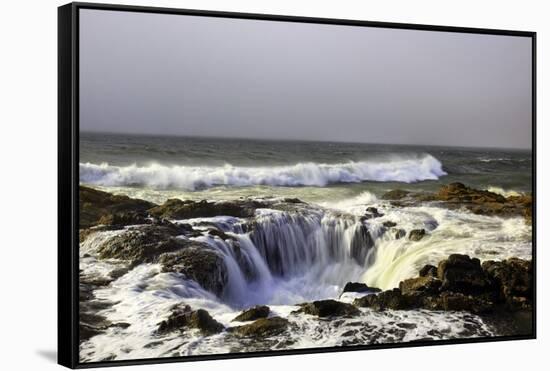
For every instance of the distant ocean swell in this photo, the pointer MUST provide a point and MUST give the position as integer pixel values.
(397, 169)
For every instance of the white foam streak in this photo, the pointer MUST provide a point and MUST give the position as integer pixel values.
(354, 206)
(503, 192)
(398, 169)
(289, 257)
(457, 232)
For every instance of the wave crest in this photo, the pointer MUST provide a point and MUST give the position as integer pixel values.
(407, 170)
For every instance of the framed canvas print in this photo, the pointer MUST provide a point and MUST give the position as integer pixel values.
(239, 185)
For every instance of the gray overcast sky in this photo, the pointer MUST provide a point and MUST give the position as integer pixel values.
(189, 75)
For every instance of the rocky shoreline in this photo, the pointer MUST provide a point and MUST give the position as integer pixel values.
(458, 195)
(499, 291)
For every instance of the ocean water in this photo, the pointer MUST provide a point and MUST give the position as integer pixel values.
(156, 167)
(313, 244)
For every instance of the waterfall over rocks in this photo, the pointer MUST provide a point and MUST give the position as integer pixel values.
(283, 254)
(312, 247)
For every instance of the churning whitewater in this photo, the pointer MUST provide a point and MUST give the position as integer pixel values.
(292, 256)
(224, 225)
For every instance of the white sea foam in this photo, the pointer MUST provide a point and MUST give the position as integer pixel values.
(449, 232)
(398, 169)
(503, 192)
(293, 257)
(354, 206)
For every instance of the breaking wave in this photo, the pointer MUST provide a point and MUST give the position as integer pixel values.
(406, 170)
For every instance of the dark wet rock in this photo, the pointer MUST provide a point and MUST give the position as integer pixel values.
(372, 210)
(460, 273)
(514, 277)
(428, 271)
(202, 320)
(207, 224)
(94, 320)
(427, 285)
(281, 205)
(179, 209)
(458, 192)
(86, 332)
(371, 213)
(458, 195)
(350, 333)
(96, 281)
(453, 301)
(293, 200)
(122, 219)
(143, 244)
(263, 327)
(417, 234)
(361, 243)
(525, 200)
(422, 197)
(118, 272)
(328, 308)
(252, 314)
(185, 228)
(400, 233)
(153, 344)
(84, 233)
(406, 325)
(396, 194)
(528, 215)
(221, 234)
(163, 243)
(183, 317)
(122, 325)
(133, 225)
(389, 224)
(498, 289)
(95, 205)
(485, 202)
(359, 287)
(525, 204)
(250, 225)
(502, 210)
(174, 322)
(391, 299)
(91, 324)
(199, 263)
(447, 301)
(94, 305)
(506, 322)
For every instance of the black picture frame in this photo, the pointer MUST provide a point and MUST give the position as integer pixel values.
(68, 179)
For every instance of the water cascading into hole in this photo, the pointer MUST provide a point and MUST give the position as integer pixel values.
(281, 256)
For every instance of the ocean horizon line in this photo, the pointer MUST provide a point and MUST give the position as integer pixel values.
(298, 140)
